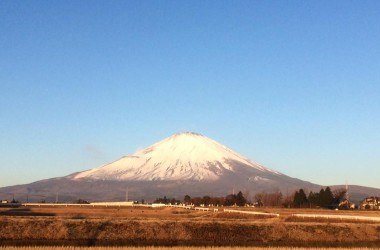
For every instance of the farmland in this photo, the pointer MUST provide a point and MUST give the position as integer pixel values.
(178, 248)
(167, 226)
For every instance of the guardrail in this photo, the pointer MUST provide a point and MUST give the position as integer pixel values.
(202, 208)
(250, 212)
(339, 217)
(96, 204)
(181, 206)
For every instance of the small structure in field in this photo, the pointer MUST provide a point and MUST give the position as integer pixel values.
(346, 204)
(158, 205)
(372, 202)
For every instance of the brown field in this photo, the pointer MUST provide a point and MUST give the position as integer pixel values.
(179, 248)
(162, 213)
(143, 226)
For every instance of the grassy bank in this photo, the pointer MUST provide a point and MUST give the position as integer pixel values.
(178, 248)
(184, 232)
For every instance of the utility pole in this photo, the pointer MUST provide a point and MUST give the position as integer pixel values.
(126, 195)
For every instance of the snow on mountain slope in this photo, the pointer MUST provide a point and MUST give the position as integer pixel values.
(183, 156)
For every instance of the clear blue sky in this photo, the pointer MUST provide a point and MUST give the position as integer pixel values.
(294, 85)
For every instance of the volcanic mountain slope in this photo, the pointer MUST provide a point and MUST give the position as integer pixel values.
(185, 163)
(183, 156)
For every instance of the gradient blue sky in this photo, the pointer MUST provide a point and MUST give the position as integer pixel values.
(294, 85)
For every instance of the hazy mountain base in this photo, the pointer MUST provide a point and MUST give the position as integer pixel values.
(67, 190)
(91, 232)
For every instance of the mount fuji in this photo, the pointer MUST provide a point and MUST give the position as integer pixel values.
(183, 156)
(184, 163)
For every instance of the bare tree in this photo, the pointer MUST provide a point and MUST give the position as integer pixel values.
(269, 199)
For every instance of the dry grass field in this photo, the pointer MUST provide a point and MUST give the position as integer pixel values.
(178, 228)
(161, 213)
(179, 248)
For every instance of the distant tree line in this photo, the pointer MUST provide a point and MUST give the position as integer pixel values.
(167, 200)
(324, 198)
(299, 199)
(205, 200)
(230, 200)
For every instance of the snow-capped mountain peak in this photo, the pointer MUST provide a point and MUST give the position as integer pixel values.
(182, 156)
